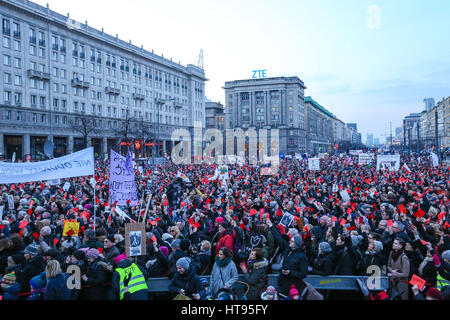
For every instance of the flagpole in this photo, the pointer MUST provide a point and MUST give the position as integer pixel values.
(94, 205)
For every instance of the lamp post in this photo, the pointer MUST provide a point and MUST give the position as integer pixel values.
(158, 103)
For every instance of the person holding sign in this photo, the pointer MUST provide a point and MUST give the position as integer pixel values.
(295, 264)
(129, 280)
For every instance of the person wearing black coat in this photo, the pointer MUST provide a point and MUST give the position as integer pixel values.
(255, 273)
(186, 281)
(95, 278)
(345, 257)
(137, 295)
(294, 267)
(323, 264)
(33, 266)
(157, 263)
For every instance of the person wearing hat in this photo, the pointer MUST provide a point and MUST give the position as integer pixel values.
(324, 263)
(443, 270)
(129, 281)
(431, 294)
(176, 254)
(226, 237)
(157, 262)
(10, 287)
(37, 285)
(95, 278)
(110, 251)
(33, 266)
(294, 267)
(269, 294)
(185, 281)
(293, 293)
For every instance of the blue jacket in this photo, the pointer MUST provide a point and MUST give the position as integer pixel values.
(56, 288)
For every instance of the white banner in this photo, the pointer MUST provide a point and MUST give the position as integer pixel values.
(365, 158)
(77, 164)
(388, 161)
(313, 164)
(434, 159)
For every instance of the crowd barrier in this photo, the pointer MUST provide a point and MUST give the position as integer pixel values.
(335, 282)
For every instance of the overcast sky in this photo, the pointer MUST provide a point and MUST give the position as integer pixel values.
(369, 62)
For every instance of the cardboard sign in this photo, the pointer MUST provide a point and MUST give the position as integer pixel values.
(135, 239)
(286, 220)
(71, 228)
(314, 164)
(11, 202)
(66, 186)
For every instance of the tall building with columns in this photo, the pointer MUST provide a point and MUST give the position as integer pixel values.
(269, 103)
(55, 70)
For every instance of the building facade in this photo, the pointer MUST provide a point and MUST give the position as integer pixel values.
(429, 131)
(214, 116)
(269, 103)
(319, 127)
(428, 104)
(411, 131)
(56, 72)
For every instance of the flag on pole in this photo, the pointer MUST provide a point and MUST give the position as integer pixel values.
(407, 168)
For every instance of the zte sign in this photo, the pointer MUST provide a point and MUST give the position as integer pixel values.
(259, 74)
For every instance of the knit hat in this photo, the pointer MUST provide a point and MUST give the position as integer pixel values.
(32, 249)
(52, 253)
(111, 238)
(271, 290)
(219, 220)
(9, 278)
(79, 255)
(434, 293)
(37, 282)
(67, 244)
(92, 253)
(446, 255)
(298, 242)
(225, 225)
(294, 292)
(356, 240)
(184, 244)
(175, 243)
(164, 250)
(325, 247)
(378, 246)
(183, 263)
(119, 258)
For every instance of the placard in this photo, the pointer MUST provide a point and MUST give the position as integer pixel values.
(344, 195)
(287, 219)
(135, 239)
(71, 228)
(10, 202)
(66, 186)
(365, 158)
(389, 162)
(314, 164)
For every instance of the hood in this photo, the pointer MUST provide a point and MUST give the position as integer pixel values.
(125, 263)
(261, 264)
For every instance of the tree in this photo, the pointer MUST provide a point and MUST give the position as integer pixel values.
(86, 125)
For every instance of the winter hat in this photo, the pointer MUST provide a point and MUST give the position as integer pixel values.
(37, 282)
(92, 253)
(9, 278)
(52, 253)
(175, 243)
(164, 250)
(294, 232)
(294, 292)
(298, 241)
(434, 293)
(67, 244)
(446, 255)
(356, 240)
(167, 237)
(79, 255)
(245, 220)
(219, 220)
(111, 238)
(32, 249)
(271, 290)
(183, 263)
(184, 244)
(204, 281)
(120, 258)
(325, 247)
(378, 246)
(225, 225)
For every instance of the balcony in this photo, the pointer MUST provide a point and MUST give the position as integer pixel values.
(62, 49)
(138, 96)
(16, 34)
(42, 43)
(111, 90)
(177, 105)
(80, 84)
(6, 31)
(38, 74)
(92, 59)
(82, 55)
(55, 47)
(99, 60)
(32, 39)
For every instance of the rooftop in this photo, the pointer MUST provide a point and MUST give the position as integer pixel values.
(318, 106)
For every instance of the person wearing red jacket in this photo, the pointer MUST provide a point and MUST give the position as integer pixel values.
(226, 237)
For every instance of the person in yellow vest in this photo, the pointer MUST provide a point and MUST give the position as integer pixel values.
(129, 280)
(443, 270)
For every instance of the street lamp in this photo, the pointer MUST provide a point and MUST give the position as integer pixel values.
(158, 103)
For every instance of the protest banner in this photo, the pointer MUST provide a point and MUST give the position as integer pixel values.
(66, 186)
(344, 195)
(434, 159)
(77, 164)
(135, 239)
(314, 164)
(122, 184)
(71, 228)
(365, 158)
(287, 219)
(1, 212)
(388, 161)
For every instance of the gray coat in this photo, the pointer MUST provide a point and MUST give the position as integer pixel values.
(223, 276)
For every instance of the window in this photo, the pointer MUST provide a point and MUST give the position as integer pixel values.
(43, 118)
(7, 42)
(55, 72)
(64, 119)
(32, 50)
(17, 62)
(7, 60)
(42, 101)
(8, 78)
(41, 52)
(33, 100)
(55, 56)
(6, 26)
(17, 45)
(7, 115)
(62, 58)
(56, 87)
(18, 98)
(19, 116)
(34, 117)
(63, 88)
(17, 80)
(7, 96)
(63, 74)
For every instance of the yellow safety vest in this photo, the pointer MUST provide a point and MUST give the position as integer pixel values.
(137, 281)
(441, 282)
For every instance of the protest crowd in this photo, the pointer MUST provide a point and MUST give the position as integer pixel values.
(339, 220)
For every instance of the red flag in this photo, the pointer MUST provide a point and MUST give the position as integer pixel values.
(279, 213)
(36, 235)
(208, 201)
(100, 250)
(252, 212)
(182, 204)
(390, 223)
(55, 241)
(419, 214)
(70, 232)
(402, 208)
(343, 222)
(417, 281)
(23, 224)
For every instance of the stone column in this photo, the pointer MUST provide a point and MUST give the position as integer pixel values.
(26, 145)
(69, 144)
(2, 145)
(104, 145)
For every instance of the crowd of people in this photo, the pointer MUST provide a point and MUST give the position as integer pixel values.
(220, 241)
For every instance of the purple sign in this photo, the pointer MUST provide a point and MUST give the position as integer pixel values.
(122, 185)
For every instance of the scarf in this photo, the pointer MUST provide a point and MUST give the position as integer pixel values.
(396, 253)
(222, 263)
(250, 263)
(424, 263)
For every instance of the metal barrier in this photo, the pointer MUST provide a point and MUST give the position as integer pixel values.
(335, 282)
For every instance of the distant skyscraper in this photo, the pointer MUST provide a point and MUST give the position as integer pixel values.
(428, 104)
(376, 141)
(369, 140)
(353, 125)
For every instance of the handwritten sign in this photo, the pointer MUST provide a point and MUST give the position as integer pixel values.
(135, 239)
(122, 184)
(71, 228)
